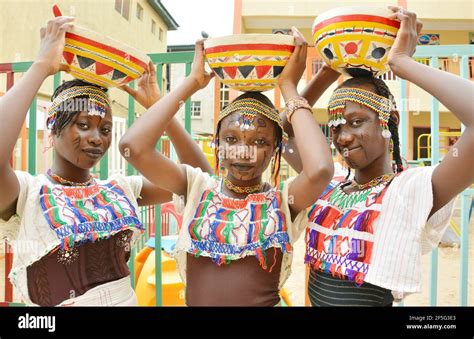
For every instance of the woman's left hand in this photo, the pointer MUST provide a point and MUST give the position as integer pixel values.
(407, 36)
(148, 91)
(295, 67)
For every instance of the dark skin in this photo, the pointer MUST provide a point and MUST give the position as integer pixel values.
(142, 137)
(261, 140)
(454, 173)
(82, 143)
(361, 143)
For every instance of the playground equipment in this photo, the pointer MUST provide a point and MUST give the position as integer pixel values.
(99, 59)
(249, 62)
(355, 40)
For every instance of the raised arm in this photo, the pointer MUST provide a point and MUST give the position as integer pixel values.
(15, 103)
(316, 158)
(187, 150)
(138, 143)
(312, 92)
(455, 173)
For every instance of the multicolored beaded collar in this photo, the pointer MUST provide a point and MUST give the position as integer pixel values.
(93, 100)
(227, 229)
(381, 105)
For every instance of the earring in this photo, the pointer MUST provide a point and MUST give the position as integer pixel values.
(386, 134)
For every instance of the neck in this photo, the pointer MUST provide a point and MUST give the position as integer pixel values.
(68, 171)
(378, 167)
(244, 183)
(240, 183)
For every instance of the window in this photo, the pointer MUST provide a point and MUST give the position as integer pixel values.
(139, 12)
(153, 26)
(196, 109)
(123, 7)
(160, 36)
(224, 95)
(316, 65)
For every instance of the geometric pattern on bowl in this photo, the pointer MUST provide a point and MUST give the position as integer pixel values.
(100, 60)
(355, 40)
(249, 62)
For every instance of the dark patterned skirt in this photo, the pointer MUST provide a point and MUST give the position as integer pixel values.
(326, 290)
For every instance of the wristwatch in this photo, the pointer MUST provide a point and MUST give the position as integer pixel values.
(295, 104)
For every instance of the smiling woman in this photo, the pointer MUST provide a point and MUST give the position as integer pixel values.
(366, 233)
(80, 229)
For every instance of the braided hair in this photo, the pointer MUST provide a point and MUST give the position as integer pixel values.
(64, 118)
(275, 164)
(381, 89)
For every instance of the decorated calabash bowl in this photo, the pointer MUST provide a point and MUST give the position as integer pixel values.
(249, 62)
(97, 59)
(355, 40)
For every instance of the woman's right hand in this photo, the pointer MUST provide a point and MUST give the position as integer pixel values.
(294, 69)
(198, 71)
(52, 44)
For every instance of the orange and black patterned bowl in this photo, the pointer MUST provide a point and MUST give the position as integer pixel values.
(355, 40)
(249, 62)
(100, 60)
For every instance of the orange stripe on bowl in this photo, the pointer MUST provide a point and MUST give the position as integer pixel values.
(258, 47)
(107, 48)
(357, 17)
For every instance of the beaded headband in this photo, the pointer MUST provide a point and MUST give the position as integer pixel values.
(95, 103)
(379, 104)
(249, 108)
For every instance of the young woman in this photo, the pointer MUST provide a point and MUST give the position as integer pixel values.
(234, 247)
(366, 234)
(71, 234)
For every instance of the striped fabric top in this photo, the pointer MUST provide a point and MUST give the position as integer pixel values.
(398, 236)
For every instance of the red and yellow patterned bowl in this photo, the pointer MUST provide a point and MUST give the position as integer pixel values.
(249, 62)
(98, 59)
(355, 40)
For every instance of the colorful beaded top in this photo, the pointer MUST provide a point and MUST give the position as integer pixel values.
(86, 213)
(227, 229)
(340, 233)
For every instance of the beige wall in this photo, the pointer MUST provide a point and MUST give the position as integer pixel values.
(446, 9)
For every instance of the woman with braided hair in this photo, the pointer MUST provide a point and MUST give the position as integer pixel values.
(366, 234)
(235, 244)
(78, 230)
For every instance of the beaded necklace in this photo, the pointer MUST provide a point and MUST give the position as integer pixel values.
(239, 189)
(344, 200)
(384, 178)
(63, 181)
